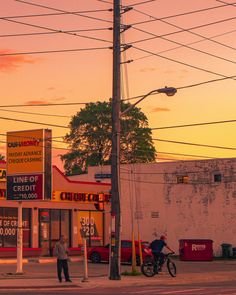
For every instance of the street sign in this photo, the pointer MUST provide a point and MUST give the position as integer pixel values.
(29, 169)
(25, 187)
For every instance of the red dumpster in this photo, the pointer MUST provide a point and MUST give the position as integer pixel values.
(198, 250)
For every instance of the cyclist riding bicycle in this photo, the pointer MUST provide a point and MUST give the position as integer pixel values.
(157, 247)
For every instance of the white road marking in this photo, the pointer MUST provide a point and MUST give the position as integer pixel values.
(181, 291)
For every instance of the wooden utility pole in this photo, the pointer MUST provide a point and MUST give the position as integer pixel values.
(115, 158)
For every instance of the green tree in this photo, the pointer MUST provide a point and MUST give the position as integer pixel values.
(90, 138)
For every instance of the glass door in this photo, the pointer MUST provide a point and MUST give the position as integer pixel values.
(44, 231)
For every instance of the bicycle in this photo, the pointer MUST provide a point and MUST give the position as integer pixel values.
(151, 267)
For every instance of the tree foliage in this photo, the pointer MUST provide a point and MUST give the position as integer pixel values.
(90, 143)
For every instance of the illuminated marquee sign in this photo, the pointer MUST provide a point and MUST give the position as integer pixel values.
(29, 165)
(81, 197)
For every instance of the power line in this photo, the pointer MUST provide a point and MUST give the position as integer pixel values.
(104, 1)
(232, 4)
(185, 87)
(195, 42)
(60, 10)
(195, 144)
(38, 114)
(44, 104)
(186, 46)
(53, 51)
(33, 122)
(50, 33)
(140, 3)
(55, 30)
(189, 30)
(53, 14)
(126, 99)
(181, 14)
(179, 62)
(206, 82)
(194, 124)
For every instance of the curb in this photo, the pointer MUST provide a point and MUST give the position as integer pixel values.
(12, 261)
(39, 260)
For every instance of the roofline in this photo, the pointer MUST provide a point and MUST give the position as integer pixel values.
(78, 181)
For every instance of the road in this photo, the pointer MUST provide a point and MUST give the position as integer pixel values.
(160, 290)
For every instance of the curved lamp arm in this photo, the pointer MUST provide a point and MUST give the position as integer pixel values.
(169, 91)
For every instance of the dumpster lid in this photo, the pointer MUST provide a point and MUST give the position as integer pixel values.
(196, 240)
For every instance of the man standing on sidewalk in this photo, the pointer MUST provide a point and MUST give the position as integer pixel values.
(61, 252)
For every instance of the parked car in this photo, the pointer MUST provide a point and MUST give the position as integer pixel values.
(100, 253)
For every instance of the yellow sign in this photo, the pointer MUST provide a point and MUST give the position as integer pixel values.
(80, 197)
(25, 151)
(3, 173)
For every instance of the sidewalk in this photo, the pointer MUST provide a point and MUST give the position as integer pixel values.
(51, 283)
(43, 276)
(38, 260)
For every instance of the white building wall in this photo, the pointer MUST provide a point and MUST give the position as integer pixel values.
(153, 201)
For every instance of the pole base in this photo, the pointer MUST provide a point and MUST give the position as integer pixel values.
(19, 273)
(115, 278)
(85, 280)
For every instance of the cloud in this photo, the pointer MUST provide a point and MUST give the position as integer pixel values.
(33, 102)
(11, 62)
(44, 101)
(148, 70)
(59, 98)
(51, 88)
(155, 110)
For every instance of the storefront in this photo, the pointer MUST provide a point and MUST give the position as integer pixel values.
(77, 210)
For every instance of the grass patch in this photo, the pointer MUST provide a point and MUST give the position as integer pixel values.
(131, 273)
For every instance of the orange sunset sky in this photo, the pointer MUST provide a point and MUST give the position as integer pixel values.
(86, 75)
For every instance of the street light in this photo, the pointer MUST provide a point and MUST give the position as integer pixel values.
(115, 179)
(169, 91)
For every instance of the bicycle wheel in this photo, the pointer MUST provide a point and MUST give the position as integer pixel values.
(171, 268)
(149, 269)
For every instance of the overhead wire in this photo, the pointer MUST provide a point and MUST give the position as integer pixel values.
(180, 62)
(194, 124)
(54, 14)
(187, 46)
(43, 104)
(195, 144)
(189, 30)
(191, 43)
(55, 30)
(37, 114)
(53, 51)
(184, 13)
(50, 33)
(60, 10)
(33, 122)
(232, 4)
(187, 86)
(141, 3)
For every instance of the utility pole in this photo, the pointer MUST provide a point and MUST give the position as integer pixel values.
(115, 158)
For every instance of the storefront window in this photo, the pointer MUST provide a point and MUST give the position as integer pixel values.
(8, 227)
(53, 224)
(65, 223)
(90, 225)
